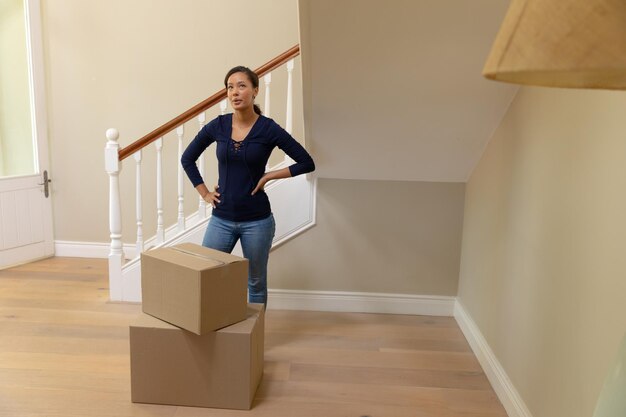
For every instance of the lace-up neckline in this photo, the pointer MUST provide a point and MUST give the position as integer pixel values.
(236, 145)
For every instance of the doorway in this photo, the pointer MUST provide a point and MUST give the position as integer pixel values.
(25, 192)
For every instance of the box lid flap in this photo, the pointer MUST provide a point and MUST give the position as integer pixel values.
(193, 256)
(201, 251)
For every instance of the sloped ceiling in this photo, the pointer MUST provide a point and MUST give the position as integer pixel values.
(393, 89)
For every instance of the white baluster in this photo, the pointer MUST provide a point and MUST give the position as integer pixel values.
(289, 124)
(268, 80)
(180, 130)
(116, 257)
(201, 203)
(138, 202)
(160, 232)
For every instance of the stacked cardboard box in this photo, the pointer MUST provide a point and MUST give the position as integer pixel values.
(200, 344)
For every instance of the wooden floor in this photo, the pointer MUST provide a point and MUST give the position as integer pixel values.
(64, 353)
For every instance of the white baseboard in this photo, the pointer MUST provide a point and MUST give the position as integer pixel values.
(358, 302)
(502, 385)
(88, 249)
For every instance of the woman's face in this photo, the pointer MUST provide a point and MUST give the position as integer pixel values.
(240, 91)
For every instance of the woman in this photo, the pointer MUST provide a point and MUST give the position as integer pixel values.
(241, 210)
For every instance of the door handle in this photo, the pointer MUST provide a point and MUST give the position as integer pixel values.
(46, 181)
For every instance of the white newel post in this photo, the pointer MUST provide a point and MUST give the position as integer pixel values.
(268, 80)
(201, 203)
(116, 256)
(138, 203)
(181, 201)
(160, 232)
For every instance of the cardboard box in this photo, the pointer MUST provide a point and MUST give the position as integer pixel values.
(193, 287)
(220, 369)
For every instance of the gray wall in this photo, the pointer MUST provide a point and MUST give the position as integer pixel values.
(394, 89)
(377, 236)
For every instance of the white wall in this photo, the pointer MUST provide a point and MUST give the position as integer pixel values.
(134, 65)
(543, 266)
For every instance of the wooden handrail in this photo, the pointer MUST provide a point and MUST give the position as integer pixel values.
(202, 106)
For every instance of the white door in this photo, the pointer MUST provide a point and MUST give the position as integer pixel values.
(25, 203)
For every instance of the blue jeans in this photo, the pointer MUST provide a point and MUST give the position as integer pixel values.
(256, 240)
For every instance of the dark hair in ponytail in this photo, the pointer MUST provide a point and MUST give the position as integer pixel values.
(254, 79)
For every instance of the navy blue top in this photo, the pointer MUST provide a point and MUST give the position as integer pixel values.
(242, 164)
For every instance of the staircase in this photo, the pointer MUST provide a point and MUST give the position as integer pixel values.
(293, 199)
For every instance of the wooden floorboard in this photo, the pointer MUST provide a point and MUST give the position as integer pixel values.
(64, 353)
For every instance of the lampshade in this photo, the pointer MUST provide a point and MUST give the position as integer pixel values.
(561, 43)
